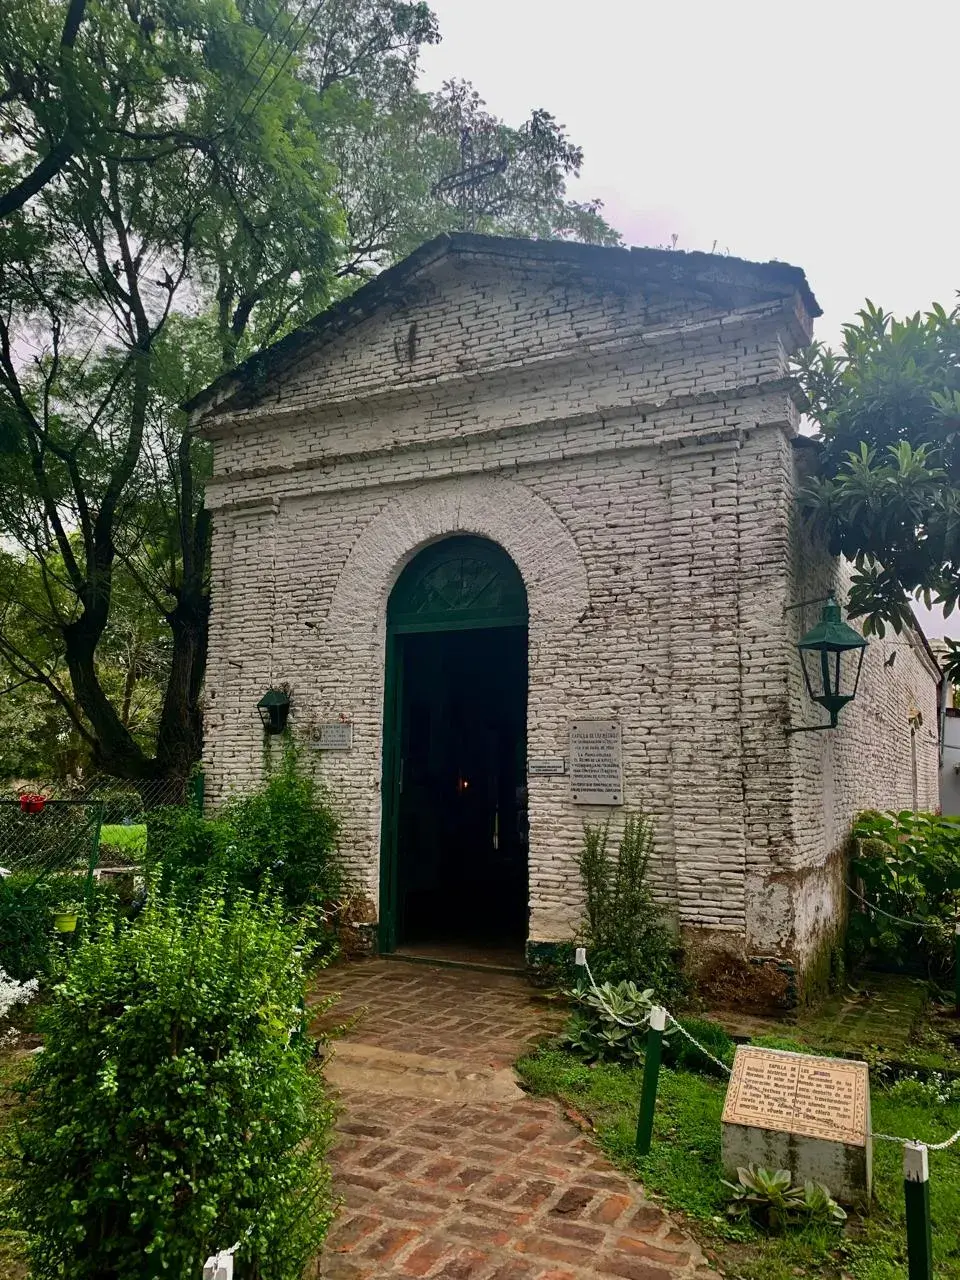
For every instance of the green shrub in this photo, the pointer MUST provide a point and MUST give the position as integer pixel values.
(625, 931)
(909, 866)
(678, 1051)
(26, 931)
(771, 1199)
(284, 834)
(119, 805)
(608, 1025)
(27, 936)
(175, 1108)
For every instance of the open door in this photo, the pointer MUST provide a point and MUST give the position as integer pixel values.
(454, 849)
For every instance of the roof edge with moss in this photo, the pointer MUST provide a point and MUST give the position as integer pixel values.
(391, 286)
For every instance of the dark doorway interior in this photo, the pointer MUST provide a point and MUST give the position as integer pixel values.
(462, 811)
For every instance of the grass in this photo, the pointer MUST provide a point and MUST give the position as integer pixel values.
(683, 1171)
(13, 1065)
(130, 840)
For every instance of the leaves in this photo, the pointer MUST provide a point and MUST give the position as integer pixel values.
(627, 935)
(219, 174)
(770, 1198)
(173, 1111)
(887, 489)
(909, 867)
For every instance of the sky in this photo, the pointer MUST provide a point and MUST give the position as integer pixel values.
(822, 134)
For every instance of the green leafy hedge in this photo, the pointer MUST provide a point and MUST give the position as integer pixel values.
(27, 937)
(909, 867)
(626, 930)
(176, 1108)
(284, 834)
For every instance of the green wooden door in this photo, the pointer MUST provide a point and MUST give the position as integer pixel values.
(459, 583)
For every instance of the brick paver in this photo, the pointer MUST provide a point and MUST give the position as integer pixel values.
(447, 1170)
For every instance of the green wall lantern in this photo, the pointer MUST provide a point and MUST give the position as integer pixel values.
(832, 657)
(274, 707)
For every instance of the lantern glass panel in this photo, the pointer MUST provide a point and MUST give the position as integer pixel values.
(273, 708)
(832, 656)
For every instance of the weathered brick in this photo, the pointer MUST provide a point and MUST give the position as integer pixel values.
(632, 450)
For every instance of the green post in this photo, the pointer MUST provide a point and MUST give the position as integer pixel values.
(651, 1074)
(94, 854)
(956, 962)
(196, 787)
(916, 1190)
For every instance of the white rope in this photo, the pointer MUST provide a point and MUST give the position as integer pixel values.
(219, 1266)
(913, 924)
(706, 1052)
(904, 1142)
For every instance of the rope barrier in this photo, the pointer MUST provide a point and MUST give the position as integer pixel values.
(694, 1041)
(581, 960)
(913, 924)
(219, 1266)
(906, 1142)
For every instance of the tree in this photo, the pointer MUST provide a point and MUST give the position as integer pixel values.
(430, 163)
(184, 181)
(37, 736)
(887, 489)
(183, 188)
(53, 92)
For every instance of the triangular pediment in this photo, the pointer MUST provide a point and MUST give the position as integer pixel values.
(460, 302)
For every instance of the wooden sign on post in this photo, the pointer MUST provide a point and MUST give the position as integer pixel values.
(809, 1115)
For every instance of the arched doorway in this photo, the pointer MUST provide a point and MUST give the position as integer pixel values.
(454, 843)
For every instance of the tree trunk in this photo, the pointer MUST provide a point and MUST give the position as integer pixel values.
(180, 736)
(115, 749)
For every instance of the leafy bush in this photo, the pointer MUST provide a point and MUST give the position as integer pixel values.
(597, 1030)
(678, 1051)
(609, 1026)
(285, 834)
(909, 866)
(120, 805)
(25, 927)
(937, 1090)
(175, 1108)
(625, 931)
(771, 1199)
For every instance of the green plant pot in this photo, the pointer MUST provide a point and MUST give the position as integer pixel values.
(65, 921)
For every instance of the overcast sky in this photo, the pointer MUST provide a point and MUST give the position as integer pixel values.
(822, 134)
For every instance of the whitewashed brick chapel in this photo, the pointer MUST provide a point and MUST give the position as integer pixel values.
(515, 529)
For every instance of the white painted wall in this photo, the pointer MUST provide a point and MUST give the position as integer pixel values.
(630, 447)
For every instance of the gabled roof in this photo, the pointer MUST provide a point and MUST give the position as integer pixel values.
(666, 268)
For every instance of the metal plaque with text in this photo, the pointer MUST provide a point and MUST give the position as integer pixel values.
(546, 766)
(596, 771)
(335, 736)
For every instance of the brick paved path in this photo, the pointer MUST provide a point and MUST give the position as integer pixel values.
(447, 1169)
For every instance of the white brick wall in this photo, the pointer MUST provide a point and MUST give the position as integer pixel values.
(632, 453)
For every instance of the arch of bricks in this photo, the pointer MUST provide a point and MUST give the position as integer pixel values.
(508, 513)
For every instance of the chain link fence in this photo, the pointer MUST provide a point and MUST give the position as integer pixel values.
(40, 838)
(97, 830)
